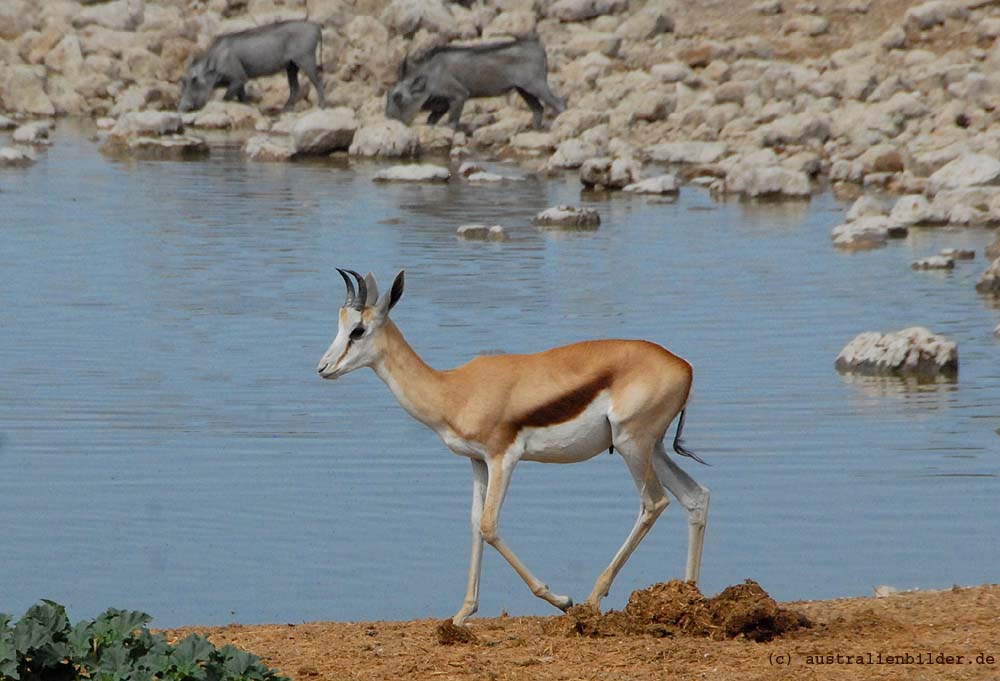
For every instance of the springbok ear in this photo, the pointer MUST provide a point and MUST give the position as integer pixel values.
(395, 293)
(372, 296)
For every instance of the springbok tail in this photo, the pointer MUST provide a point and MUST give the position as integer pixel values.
(679, 447)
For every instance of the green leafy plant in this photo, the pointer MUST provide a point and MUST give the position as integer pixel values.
(115, 646)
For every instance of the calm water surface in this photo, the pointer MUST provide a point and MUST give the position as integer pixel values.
(167, 445)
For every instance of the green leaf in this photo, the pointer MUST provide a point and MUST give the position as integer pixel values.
(50, 655)
(50, 615)
(117, 625)
(154, 662)
(236, 663)
(116, 646)
(194, 648)
(30, 634)
(144, 642)
(8, 670)
(79, 639)
(191, 670)
(130, 620)
(8, 658)
(115, 662)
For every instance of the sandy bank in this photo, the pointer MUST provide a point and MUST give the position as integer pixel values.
(933, 628)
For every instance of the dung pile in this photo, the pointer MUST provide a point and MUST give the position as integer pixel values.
(676, 607)
(747, 610)
(449, 634)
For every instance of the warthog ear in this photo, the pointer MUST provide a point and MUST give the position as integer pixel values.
(419, 84)
(402, 67)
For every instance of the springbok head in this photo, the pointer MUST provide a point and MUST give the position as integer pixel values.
(361, 321)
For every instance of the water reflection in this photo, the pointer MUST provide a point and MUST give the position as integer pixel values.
(901, 386)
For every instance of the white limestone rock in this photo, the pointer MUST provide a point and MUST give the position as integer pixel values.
(912, 209)
(607, 173)
(958, 253)
(692, 152)
(933, 13)
(866, 205)
(867, 232)
(119, 15)
(22, 90)
(911, 351)
(323, 131)
(768, 7)
(15, 157)
(810, 25)
(660, 184)
(572, 153)
(222, 115)
(478, 232)
(417, 172)
(147, 123)
(474, 172)
(969, 206)
(159, 146)
(389, 138)
(755, 181)
(406, 17)
(796, 129)
(533, 141)
(989, 282)
(568, 217)
(516, 23)
(581, 10)
(655, 18)
(934, 262)
(36, 132)
(269, 148)
(968, 170)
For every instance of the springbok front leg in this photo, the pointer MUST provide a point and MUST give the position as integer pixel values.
(694, 498)
(653, 500)
(479, 481)
(500, 469)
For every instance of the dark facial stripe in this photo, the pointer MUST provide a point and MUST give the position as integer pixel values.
(565, 407)
(339, 359)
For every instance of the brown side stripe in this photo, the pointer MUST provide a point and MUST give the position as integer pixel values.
(565, 407)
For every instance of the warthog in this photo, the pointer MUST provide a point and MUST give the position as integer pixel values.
(234, 58)
(445, 77)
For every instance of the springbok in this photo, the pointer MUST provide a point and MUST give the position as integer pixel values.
(563, 405)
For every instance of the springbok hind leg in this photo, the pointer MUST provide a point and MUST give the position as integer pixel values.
(653, 500)
(500, 470)
(694, 498)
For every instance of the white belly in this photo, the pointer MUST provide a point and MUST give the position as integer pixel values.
(580, 438)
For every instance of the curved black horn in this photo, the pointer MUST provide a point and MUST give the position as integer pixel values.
(359, 302)
(349, 301)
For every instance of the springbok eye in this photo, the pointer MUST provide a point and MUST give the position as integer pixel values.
(357, 332)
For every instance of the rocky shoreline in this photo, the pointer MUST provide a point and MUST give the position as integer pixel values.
(771, 99)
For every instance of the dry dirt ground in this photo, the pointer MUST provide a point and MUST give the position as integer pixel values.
(668, 631)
